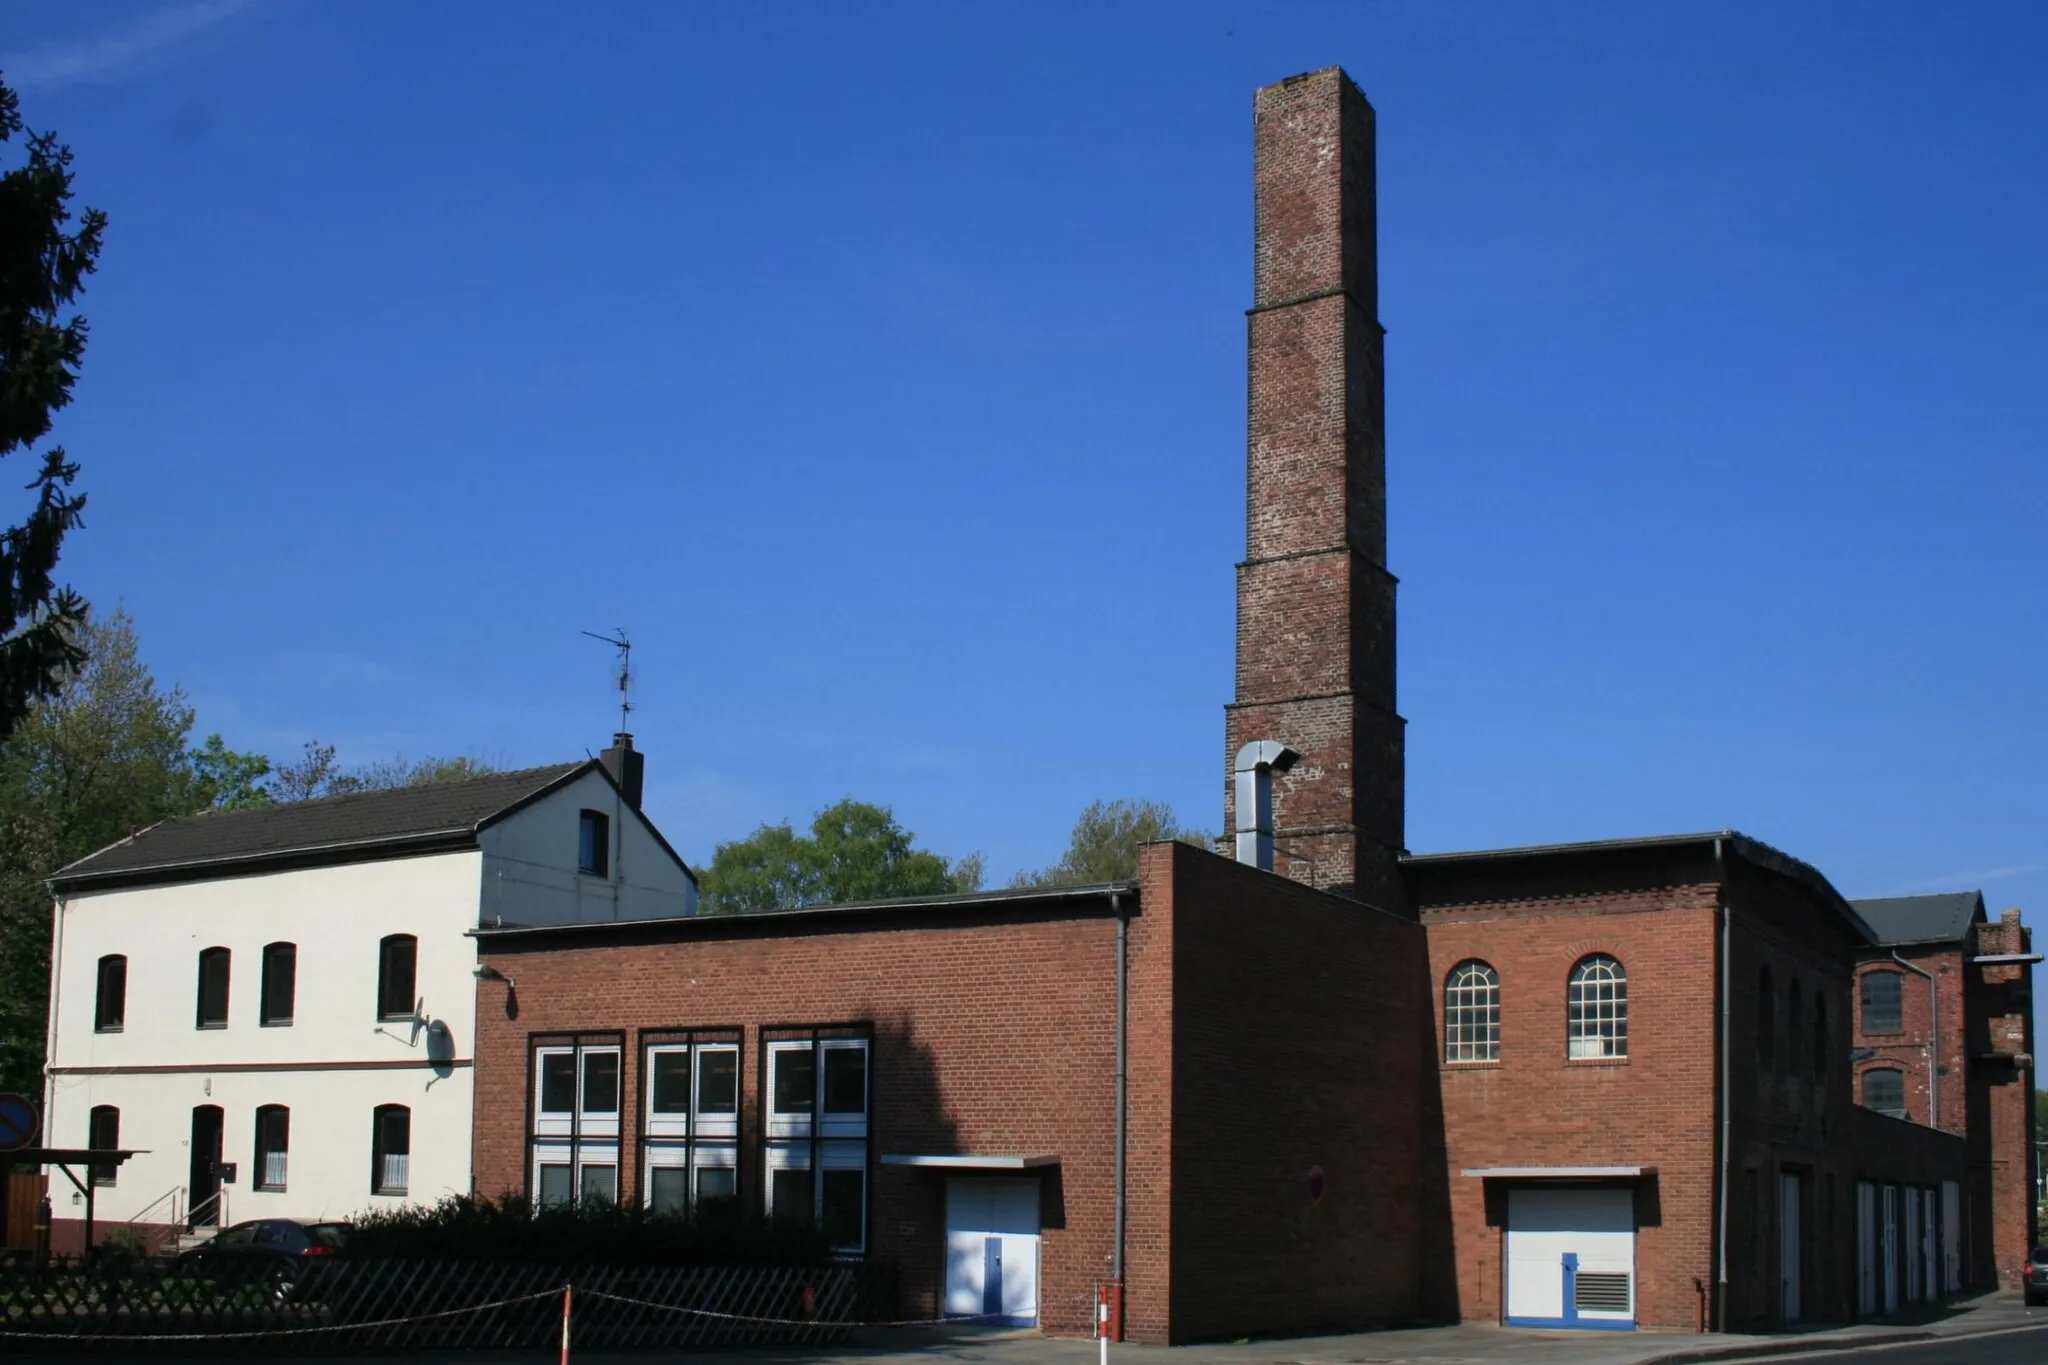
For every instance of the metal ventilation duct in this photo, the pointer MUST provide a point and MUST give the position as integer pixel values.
(1256, 764)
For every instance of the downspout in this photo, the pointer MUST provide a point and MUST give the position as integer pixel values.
(1933, 1040)
(1123, 1039)
(1721, 1194)
(50, 1027)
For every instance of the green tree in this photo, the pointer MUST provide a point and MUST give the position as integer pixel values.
(42, 269)
(1105, 842)
(104, 755)
(317, 774)
(854, 852)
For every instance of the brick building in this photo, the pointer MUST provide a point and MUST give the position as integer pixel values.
(1944, 1037)
(1325, 1084)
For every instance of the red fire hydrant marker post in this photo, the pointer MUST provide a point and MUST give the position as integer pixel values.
(568, 1307)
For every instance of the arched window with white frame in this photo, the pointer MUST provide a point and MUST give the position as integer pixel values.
(1472, 1013)
(1596, 1016)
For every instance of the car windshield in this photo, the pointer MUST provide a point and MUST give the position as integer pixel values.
(328, 1234)
(2041, 1255)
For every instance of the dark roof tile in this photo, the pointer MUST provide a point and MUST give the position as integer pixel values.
(334, 822)
(1943, 918)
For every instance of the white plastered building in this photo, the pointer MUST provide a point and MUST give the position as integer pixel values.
(273, 1008)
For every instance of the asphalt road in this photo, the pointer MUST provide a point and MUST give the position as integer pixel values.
(2026, 1347)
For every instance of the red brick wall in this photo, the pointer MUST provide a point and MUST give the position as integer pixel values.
(1906, 1052)
(1315, 604)
(1300, 1041)
(1535, 1107)
(2002, 1027)
(996, 1037)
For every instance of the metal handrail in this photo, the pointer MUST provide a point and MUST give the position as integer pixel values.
(217, 1202)
(174, 1194)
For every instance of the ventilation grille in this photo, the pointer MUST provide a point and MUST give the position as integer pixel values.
(1595, 1292)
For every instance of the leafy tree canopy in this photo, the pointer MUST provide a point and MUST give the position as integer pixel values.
(1105, 842)
(854, 852)
(42, 269)
(107, 753)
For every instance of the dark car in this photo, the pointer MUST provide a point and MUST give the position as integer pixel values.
(272, 1251)
(2034, 1277)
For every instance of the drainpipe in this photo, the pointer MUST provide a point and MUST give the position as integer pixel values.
(50, 1026)
(1721, 1200)
(1933, 1040)
(1123, 1038)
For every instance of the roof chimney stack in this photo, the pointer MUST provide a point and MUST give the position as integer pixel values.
(627, 765)
(1315, 603)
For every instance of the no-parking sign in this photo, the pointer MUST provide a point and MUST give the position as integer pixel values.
(18, 1124)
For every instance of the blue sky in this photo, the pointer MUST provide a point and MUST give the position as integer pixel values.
(880, 369)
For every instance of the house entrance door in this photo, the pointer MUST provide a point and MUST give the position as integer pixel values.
(1788, 1243)
(204, 1181)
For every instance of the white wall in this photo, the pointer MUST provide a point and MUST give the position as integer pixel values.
(529, 867)
(336, 916)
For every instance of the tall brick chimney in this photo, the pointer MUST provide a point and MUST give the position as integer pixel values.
(1315, 603)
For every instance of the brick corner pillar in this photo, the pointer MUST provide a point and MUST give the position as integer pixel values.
(1315, 603)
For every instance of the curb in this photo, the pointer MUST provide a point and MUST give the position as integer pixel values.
(1788, 1347)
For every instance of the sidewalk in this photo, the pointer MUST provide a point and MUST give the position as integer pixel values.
(1468, 1344)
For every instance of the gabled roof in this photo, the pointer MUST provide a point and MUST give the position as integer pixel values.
(1943, 918)
(330, 829)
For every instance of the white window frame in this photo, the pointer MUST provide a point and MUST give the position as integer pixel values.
(1596, 1010)
(692, 1140)
(1472, 1013)
(821, 1140)
(582, 1139)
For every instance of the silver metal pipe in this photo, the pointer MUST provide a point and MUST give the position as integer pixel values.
(1726, 1132)
(1123, 1038)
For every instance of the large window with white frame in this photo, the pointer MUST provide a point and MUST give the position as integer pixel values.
(689, 1119)
(814, 1098)
(1596, 1009)
(575, 1119)
(1472, 1013)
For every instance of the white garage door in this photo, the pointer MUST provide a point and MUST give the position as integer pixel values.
(992, 1250)
(1571, 1257)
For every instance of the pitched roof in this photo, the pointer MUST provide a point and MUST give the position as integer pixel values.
(1943, 918)
(441, 813)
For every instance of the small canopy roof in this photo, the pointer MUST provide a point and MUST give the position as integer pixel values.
(970, 1163)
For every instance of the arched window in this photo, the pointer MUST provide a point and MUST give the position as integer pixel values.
(1794, 1007)
(397, 973)
(1597, 1009)
(390, 1149)
(280, 983)
(103, 1130)
(273, 1145)
(110, 1006)
(1472, 1014)
(1884, 1089)
(1822, 1046)
(1766, 1018)
(1883, 1003)
(213, 988)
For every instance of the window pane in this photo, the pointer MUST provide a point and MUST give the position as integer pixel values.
(844, 1218)
(390, 1158)
(1882, 1001)
(593, 843)
(600, 1184)
(397, 965)
(717, 1184)
(718, 1081)
(846, 1080)
(790, 1196)
(1885, 1091)
(280, 982)
(1472, 1014)
(601, 1082)
(671, 1189)
(111, 1008)
(796, 1080)
(557, 1082)
(213, 988)
(103, 1128)
(554, 1185)
(671, 1080)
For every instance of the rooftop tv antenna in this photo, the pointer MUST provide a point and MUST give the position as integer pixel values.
(625, 648)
